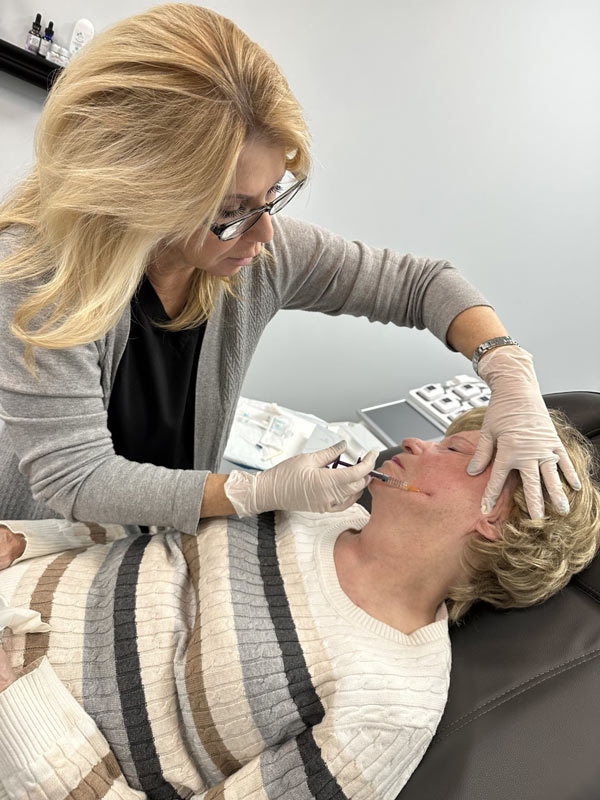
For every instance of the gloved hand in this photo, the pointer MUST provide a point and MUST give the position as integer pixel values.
(517, 423)
(300, 483)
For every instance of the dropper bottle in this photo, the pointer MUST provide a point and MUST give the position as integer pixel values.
(33, 37)
(47, 40)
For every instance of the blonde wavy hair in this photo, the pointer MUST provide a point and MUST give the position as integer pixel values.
(136, 146)
(532, 560)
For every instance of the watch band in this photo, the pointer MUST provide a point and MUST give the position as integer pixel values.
(499, 341)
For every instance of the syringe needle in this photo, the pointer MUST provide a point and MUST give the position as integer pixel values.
(388, 479)
(394, 482)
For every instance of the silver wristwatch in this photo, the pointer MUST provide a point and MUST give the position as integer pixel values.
(499, 341)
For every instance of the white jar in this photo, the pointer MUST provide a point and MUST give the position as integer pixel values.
(64, 56)
(54, 54)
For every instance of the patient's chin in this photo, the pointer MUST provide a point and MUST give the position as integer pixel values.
(375, 486)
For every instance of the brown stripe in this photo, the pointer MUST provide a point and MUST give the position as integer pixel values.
(97, 532)
(194, 675)
(98, 781)
(36, 644)
(216, 793)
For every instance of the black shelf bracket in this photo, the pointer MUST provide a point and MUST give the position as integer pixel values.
(28, 66)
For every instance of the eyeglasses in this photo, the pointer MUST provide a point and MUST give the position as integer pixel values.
(230, 230)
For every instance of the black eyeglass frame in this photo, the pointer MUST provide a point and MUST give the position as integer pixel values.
(219, 230)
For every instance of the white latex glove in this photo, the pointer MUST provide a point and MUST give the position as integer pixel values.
(517, 423)
(300, 483)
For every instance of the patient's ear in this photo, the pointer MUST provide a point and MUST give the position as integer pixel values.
(490, 525)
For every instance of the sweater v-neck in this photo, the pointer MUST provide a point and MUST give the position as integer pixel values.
(324, 546)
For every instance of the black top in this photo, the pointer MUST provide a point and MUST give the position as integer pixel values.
(151, 411)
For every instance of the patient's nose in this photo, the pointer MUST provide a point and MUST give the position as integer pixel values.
(413, 445)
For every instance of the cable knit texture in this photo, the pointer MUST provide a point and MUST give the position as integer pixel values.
(225, 665)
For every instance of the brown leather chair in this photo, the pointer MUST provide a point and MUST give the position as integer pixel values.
(523, 714)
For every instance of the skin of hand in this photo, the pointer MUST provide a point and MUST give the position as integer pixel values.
(7, 673)
(12, 546)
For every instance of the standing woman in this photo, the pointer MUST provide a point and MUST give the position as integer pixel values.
(140, 263)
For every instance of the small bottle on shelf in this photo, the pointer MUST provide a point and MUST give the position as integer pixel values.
(33, 37)
(47, 40)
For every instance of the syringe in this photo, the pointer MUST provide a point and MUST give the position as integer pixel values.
(395, 483)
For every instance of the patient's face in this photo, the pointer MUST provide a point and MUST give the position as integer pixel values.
(448, 495)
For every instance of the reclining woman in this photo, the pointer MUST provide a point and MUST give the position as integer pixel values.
(308, 657)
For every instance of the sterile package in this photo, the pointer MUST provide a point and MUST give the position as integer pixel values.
(264, 434)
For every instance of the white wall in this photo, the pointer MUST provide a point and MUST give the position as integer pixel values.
(456, 129)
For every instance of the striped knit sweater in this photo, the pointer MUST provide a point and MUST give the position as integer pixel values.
(224, 665)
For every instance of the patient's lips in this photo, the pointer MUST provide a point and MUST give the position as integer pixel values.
(397, 483)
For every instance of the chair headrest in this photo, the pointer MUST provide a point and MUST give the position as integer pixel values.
(583, 410)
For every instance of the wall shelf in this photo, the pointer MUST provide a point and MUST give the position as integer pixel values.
(28, 66)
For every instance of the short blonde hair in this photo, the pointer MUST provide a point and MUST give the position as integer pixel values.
(532, 560)
(137, 146)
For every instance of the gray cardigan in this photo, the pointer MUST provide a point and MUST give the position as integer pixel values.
(56, 452)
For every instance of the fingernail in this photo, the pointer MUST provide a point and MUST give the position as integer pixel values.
(563, 507)
(472, 469)
(577, 485)
(486, 507)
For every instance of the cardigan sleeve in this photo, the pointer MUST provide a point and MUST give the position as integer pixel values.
(56, 425)
(51, 748)
(317, 270)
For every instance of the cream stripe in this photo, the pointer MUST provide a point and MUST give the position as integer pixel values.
(312, 641)
(315, 652)
(42, 599)
(83, 752)
(160, 595)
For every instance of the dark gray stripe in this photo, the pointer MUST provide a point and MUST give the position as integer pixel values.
(129, 677)
(298, 677)
(303, 751)
(322, 784)
(298, 767)
(265, 681)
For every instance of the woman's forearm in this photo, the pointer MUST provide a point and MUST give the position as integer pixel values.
(472, 327)
(214, 500)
